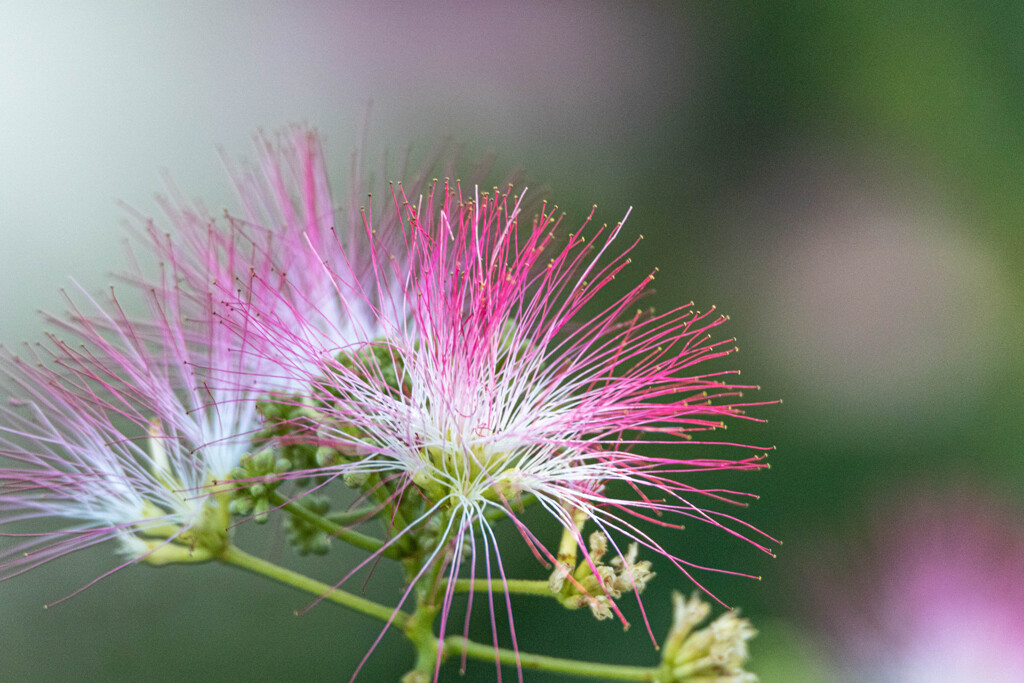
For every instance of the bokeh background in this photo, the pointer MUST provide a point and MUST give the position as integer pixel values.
(843, 179)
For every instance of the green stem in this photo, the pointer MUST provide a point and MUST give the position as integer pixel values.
(417, 626)
(239, 558)
(494, 514)
(456, 645)
(383, 494)
(419, 631)
(512, 586)
(350, 516)
(420, 628)
(359, 540)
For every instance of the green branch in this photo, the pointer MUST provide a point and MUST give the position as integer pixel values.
(456, 645)
(417, 626)
(352, 516)
(359, 540)
(383, 494)
(512, 586)
(493, 514)
(239, 558)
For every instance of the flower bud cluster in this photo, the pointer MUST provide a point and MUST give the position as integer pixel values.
(717, 652)
(595, 584)
(258, 476)
(378, 364)
(305, 538)
(283, 417)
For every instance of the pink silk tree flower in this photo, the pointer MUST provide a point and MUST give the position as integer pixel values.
(499, 376)
(291, 252)
(120, 432)
(937, 596)
(179, 382)
(292, 221)
(448, 358)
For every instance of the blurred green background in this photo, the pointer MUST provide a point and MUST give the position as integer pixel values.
(843, 179)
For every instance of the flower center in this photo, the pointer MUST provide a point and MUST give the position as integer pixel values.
(467, 473)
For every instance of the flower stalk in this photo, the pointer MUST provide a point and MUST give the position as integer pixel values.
(417, 628)
(333, 529)
(232, 555)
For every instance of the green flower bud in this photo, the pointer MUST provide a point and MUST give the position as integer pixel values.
(327, 456)
(261, 511)
(241, 506)
(255, 480)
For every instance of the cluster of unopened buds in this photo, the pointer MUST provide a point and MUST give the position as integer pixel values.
(434, 362)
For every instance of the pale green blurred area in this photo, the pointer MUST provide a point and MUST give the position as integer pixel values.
(844, 180)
